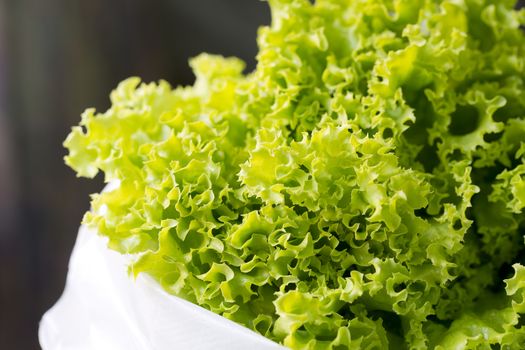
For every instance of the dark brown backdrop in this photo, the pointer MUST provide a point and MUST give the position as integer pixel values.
(58, 57)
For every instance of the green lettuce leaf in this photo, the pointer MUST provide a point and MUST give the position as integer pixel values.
(362, 188)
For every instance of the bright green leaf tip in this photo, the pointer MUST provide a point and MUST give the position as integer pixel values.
(363, 188)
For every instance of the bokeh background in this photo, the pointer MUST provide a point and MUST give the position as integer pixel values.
(58, 57)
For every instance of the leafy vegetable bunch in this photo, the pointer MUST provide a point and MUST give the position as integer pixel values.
(363, 188)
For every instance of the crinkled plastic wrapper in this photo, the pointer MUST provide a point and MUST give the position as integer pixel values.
(102, 307)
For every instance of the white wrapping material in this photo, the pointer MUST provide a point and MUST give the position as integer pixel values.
(103, 308)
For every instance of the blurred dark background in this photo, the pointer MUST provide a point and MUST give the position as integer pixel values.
(58, 57)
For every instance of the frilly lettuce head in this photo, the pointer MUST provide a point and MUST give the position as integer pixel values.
(362, 188)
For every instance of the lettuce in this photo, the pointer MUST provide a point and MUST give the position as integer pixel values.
(362, 188)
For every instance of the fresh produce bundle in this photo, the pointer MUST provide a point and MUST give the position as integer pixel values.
(362, 188)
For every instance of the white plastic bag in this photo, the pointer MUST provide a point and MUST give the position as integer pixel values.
(104, 308)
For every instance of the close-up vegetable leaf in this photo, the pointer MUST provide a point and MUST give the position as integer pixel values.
(362, 188)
